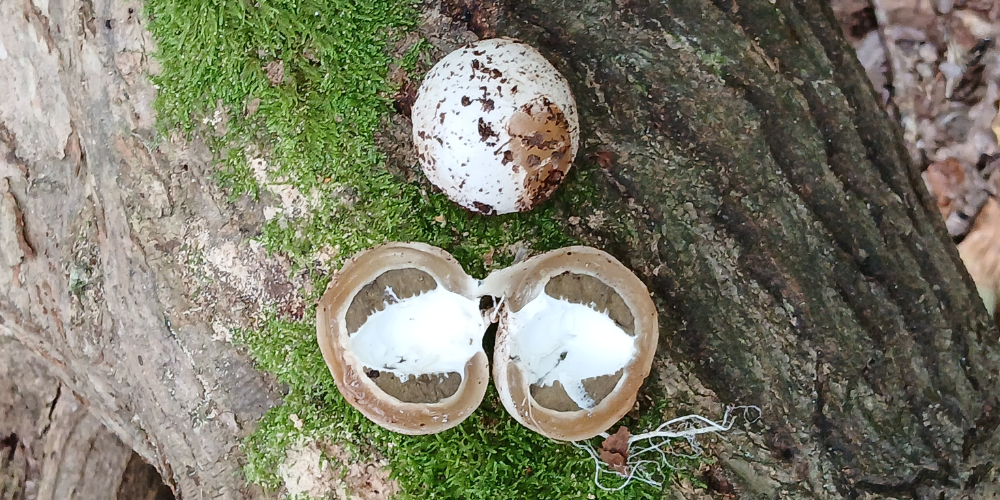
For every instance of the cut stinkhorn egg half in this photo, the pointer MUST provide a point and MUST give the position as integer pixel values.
(576, 337)
(401, 330)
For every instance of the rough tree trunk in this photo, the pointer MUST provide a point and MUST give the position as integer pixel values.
(95, 287)
(786, 235)
(754, 184)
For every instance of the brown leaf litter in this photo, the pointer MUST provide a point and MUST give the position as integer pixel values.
(937, 68)
(275, 72)
(614, 451)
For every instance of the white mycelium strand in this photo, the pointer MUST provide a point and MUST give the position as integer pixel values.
(661, 441)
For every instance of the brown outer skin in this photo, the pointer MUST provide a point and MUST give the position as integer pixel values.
(357, 388)
(524, 282)
(541, 143)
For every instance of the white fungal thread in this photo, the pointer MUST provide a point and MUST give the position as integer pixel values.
(529, 406)
(648, 470)
(495, 313)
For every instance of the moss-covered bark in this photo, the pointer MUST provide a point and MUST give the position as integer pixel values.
(758, 188)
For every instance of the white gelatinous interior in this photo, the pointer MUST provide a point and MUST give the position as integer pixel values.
(461, 114)
(435, 332)
(553, 339)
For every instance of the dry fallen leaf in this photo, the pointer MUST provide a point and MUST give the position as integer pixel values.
(275, 72)
(995, 126)
(615, 461)
(618, 442)
(980, 252)
(960, 193)
(614, 450)
(605, 159)
(944, 179)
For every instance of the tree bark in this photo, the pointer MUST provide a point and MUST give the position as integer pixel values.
(754, 184)
(100, 225)
(772, 208)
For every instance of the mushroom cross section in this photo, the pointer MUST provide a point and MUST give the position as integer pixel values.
(576, 339)
(401, 331)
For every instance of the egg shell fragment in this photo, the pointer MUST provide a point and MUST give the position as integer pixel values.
(495, 126)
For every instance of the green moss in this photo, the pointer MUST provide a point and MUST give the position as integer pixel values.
(489, 456)
(715, 60)
(316, 129)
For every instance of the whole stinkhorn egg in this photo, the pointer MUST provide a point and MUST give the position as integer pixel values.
(495, 126)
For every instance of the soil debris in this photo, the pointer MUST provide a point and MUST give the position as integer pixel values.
(614, 450)
(937, 67)
(960, 191)
(322, 470)
(275, 72)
